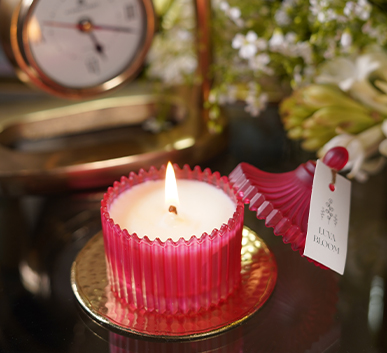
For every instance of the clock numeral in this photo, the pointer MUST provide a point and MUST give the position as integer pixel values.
(92, 65)
(130, 11)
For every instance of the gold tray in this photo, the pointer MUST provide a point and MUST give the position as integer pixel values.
(90, 286)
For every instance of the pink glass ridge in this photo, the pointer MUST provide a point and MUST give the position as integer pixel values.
(283, 199)
(173, 277)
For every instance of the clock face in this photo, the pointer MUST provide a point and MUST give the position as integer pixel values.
(84, 43)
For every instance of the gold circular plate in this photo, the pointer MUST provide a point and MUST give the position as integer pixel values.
(91, 288)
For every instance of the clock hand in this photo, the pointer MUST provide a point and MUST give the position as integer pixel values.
(113, 28)
(97, 46)
(86, 26)
(61, 24)
(94, 27)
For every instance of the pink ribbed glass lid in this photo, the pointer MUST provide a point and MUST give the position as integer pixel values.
(283, 199)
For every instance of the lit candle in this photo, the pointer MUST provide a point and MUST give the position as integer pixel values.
(145, 210)
(153, 260)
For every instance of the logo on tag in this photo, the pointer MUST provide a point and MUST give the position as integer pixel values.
(328, 212)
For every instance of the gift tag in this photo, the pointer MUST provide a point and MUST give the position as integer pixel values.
(327, 235)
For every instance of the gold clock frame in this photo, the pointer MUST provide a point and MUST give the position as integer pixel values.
(14, 16)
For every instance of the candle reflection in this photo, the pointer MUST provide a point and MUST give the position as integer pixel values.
(231, 342)
(34, 31)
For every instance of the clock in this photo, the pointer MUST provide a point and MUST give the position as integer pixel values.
(80, 49)
(76, 48)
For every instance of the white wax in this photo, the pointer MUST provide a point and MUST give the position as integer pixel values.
(142, 210)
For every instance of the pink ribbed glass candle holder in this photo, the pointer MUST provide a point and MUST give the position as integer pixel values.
(173, 276)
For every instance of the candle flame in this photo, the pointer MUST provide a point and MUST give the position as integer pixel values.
(171, 195)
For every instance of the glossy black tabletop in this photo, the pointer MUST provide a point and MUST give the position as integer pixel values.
(310, 310)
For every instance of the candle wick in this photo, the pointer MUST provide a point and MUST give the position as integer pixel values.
(173, 209)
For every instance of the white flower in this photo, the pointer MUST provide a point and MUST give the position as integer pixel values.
(256, 104)
(259, 63)
(304, 50)
(364, 65)
(255, 101)
(276, 41)
(261, 44)
(360, 147)
(346, 39)
(383, 148)
(345, 72)
(356, 154)
(349, 8)
(234, 13)
(224, 95)
(212, 97)
(303, 75)
(383, 144)
(373, 32)
(232, 93)
(288, 46)
(230, 96)
(321, 16)
(384, 127)
(172, 60)
(281, 16)
(364, 78)
(290, 38)
(172, 57)
(247, 45)
(174, 71)
(322, 11)
(224, 6)
(361, 9)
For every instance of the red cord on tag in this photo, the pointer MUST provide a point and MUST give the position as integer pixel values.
(333, 182)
